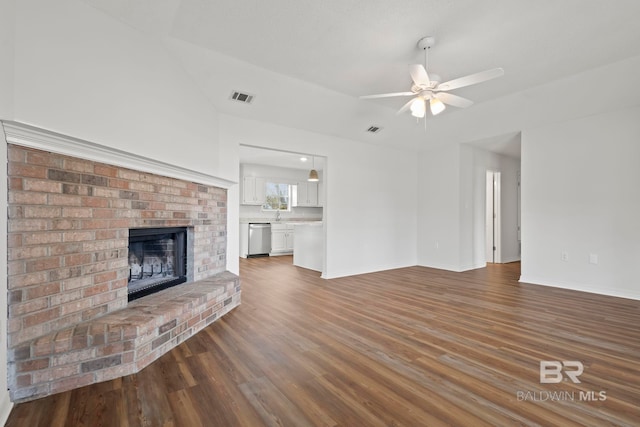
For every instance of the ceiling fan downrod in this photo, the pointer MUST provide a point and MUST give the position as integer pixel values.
(425, 44)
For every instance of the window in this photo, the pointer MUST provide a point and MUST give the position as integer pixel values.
(277, 197)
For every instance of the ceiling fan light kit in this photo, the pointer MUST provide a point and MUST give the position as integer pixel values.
(429, 88)
(436, 106)
(418, 108)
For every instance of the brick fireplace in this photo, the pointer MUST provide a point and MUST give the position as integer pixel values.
(70, 323)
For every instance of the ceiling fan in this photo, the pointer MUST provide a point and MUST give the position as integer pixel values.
(428, 88)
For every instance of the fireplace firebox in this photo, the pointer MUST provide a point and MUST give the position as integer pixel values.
(157, 260)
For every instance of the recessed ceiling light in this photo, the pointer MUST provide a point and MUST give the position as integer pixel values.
(303, 159)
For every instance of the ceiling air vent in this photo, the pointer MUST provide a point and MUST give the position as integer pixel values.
(241, 97)
(374, 129)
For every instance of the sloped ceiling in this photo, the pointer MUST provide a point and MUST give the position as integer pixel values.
(307, 61)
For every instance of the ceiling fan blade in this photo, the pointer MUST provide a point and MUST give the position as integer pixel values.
(405, 107)
(387, 95)
(455, 100)
(472, 79)
(419, 75)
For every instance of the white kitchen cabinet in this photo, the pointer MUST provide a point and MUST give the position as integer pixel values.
(282, 236)
(253, 190)
(307, 193)
(278, 240)
(289, 240)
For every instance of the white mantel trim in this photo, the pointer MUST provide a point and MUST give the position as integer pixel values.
(41, 139)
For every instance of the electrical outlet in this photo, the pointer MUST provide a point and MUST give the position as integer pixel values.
(564, 256)
(593, 259)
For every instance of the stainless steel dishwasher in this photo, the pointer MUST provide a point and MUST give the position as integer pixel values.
(259, 239)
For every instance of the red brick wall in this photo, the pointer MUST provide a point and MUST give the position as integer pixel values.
(68, 235)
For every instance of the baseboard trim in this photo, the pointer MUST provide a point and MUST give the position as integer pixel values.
(578, 287)
(454, 268)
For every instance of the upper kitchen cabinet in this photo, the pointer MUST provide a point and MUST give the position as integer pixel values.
(308, 194)
(253, 190)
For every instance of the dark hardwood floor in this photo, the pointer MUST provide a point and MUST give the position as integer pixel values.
(411, 347)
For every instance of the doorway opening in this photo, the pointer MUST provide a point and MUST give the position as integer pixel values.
(493, 218)
(286, 190)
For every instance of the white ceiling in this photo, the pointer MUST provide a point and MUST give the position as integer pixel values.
(307, 61)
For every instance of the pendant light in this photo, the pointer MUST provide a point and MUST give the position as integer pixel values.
(313, 173)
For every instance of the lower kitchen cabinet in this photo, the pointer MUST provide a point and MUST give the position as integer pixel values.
(281, 239)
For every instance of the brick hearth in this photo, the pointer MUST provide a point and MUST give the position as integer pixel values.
(69, 321)
(121, 342)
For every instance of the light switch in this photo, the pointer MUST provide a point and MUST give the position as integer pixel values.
(593, 258)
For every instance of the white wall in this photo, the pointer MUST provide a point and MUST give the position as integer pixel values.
(7, 54)
(438, 227)
(6, 112)
(580, 196)
(84, 74)
(371, 196)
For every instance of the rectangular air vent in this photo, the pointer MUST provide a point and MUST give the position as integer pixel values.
(374, 129)
(241, 97)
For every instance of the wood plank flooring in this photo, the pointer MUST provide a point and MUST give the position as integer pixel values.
(407, 347)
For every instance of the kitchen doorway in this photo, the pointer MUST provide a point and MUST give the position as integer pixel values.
(284, 191)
